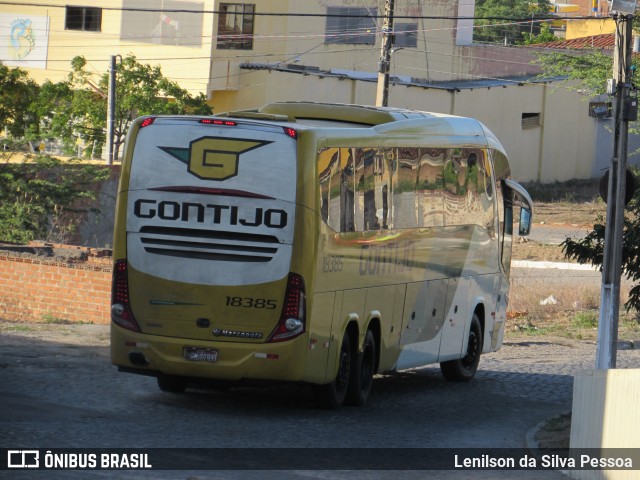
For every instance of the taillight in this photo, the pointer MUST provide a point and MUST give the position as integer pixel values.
(291, 132)
(147, 121)
(292, 318)
(211, 121)
(120, 302)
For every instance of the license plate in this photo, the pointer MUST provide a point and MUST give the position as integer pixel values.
(197, 354)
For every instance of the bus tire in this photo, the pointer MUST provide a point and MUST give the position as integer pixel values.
(172, 383)
(463, 369)
(332, 395)
(361, 379)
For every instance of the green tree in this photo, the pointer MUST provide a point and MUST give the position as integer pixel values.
(588, 73)
(590, 249)
(545, 35)
(17, 96)
(77, 108)
(497, 20)
(41, 197)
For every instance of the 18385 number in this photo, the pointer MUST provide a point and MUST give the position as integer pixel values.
(249, 302)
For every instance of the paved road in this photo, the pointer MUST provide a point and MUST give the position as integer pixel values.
(68, 395)
(556, 234)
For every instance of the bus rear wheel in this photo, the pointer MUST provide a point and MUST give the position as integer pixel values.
(464, 369)
(362, 379)
(332, 395)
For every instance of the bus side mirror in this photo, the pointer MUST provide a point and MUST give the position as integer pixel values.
(525, 222)
(526, 205)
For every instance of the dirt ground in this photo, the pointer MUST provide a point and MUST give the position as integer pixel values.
(556, 432)
(565, 216)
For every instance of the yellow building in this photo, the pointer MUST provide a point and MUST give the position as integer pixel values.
(202, 44)
(242, 54)
(588, 28)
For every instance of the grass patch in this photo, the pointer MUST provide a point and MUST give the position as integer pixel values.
(18, 328)
(51, 319)
(588, 319)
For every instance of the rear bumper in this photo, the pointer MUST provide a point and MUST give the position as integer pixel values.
(153, 354)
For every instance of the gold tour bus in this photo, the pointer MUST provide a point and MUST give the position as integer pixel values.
(309, 242)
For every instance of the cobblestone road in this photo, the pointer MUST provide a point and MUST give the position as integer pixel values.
(64, 393)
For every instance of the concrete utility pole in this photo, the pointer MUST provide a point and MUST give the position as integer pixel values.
(382, 94)
(111, 111)
(612, 264)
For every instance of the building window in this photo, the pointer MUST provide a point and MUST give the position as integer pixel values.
(87, 19)
(235, 26)
(530, 120)
(353, 25)
(406, 35)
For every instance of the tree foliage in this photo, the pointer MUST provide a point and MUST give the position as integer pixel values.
(545, 35)
(77, 108)
(141, 90)
(18, 93)
(590, 249)
(492, 26)
(588, 73)
(41, 197)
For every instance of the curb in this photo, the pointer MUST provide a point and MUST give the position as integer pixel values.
(556, 265)
(530, 440)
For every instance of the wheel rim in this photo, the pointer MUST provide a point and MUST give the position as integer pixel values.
(342, 379)
(367, 367)
(472, 350)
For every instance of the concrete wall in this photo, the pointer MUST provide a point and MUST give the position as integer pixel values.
(605, 415)
(567, 144)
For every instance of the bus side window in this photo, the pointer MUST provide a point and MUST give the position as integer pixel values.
(462, 204)
(405, 178)
(324, 178)
(369, 192)
(347, 179)
(333, 187)
(383, 186)
(430, 185)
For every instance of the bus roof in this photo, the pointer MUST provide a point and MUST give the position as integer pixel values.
(384, 120)
(336, 112)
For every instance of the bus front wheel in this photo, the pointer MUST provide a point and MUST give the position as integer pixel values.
(332, 394)
(463, 369)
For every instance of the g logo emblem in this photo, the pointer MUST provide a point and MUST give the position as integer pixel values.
(214, 158)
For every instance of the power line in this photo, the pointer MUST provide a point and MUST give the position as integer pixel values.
(363, 49)
(302, 15)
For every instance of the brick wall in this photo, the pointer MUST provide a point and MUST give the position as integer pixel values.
(33, 288)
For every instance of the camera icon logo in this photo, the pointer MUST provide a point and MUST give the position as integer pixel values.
(23, 459)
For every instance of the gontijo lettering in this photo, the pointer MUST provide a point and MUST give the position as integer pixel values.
(209, 213)
(393, 257)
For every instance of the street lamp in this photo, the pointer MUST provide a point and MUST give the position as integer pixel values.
(627, 7)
